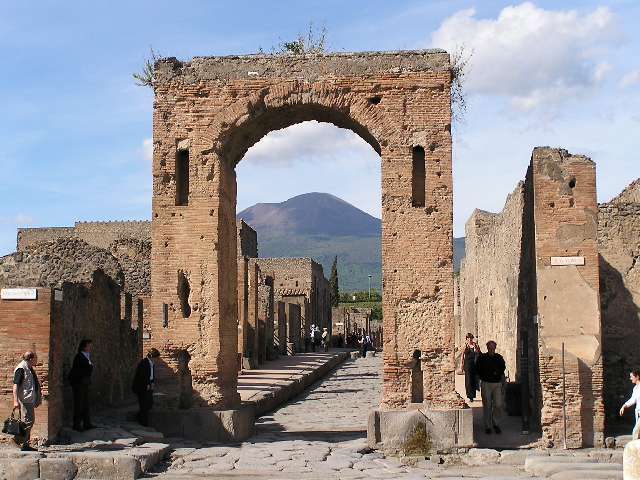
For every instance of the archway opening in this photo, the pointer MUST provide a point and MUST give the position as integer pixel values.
(313, 189)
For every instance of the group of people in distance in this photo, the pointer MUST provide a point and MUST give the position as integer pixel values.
(27, 394)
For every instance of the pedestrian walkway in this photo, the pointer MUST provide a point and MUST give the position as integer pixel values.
(512, 436)
(321, 433)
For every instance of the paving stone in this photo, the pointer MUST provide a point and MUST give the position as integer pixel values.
(57, 468)
(518, 457)
(588, 475)
(531, 462)
(546, 469)
(19, 468)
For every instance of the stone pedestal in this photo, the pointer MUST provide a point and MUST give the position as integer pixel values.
(631, 460)
(371, 353)
(447, 430)
(206, 424)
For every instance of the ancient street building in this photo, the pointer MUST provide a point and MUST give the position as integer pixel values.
(54, 294)
(551, 278)
(207, 113)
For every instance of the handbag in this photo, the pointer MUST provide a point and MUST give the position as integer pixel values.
(14, 426)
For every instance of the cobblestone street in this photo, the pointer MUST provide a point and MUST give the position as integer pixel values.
(320, 434)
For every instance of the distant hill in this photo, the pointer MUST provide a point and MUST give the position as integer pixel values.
(321, 226)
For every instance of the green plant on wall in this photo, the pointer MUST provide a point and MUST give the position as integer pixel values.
(315, 42)
(459, 69)
(146, 77)
(418, 442)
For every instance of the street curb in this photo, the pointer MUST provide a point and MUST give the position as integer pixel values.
(285, 390)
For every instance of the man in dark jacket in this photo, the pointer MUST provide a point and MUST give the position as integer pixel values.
(80, 378)
(143, 385)
(490, 369)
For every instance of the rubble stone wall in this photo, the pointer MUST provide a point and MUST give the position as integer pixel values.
(619, 248)
(489, 279)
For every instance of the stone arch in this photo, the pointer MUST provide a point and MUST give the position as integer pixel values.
(209, 111)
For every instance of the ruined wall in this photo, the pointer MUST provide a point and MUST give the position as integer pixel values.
(53, 326)
(489, 279)
(301, 277)
(247, 240)
(565, 215)
(129, 242)
(209, 111)
(619, 248)
(16, 337)
(100, 234)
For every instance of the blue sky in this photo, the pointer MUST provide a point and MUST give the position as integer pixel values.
(75, 130)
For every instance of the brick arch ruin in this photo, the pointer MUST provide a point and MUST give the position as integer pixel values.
(207, 113)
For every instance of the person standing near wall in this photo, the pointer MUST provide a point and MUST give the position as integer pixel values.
(26, 396)
(634, 376)
(80, 378)
(143, 382)
(490, 368)
(468, 355)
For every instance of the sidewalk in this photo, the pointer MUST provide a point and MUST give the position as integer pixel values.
(122, 449)
(511, 436)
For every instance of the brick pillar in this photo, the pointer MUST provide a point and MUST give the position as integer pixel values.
(567, 272)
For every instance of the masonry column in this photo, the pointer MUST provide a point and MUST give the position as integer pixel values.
(567, 271)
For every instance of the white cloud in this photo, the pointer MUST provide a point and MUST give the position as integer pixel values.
(308, 142)
(630, 79)
(147, 149)
(538, 57)
(19, 219)
(310, 157)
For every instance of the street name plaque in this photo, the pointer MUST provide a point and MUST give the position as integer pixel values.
(18, 294)
(567, 260)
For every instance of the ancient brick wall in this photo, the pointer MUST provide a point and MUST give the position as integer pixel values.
(25, 325)
(209, 111)
(489, 279)
(508, 285)
(566, 217)
(304, 278)
(247, 240)
(53, 326)
(619, 248)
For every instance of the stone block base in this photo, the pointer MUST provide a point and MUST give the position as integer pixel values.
(206, 424)
(447, 430)
(631, 460)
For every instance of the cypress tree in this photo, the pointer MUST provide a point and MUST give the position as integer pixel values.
(333, 280)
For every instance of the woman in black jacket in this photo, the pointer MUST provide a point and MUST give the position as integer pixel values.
(80, 378)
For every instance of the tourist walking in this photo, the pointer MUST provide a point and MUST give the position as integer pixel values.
(490, 369)
(26, 397)
(468, 355)
(634, 376)
(365, 344)
(80, 379)
(325, 340)
(143, 382)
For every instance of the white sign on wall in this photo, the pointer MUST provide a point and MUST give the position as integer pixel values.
(19, 294)
(567, 260)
